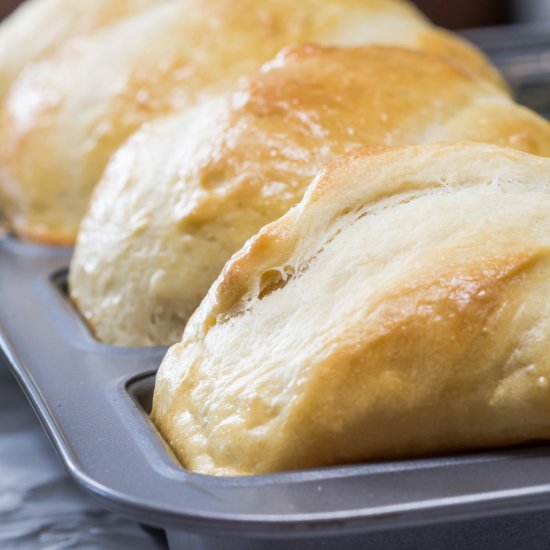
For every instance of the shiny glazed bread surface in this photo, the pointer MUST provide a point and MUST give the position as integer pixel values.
(186, 192)
(66, 115)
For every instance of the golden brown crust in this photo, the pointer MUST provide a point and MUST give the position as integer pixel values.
(46, 236)
(68, 114)
(408, 319)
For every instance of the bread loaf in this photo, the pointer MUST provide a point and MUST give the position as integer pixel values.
(185, 193)
(66, 115)
(399, 310)
(39, 27)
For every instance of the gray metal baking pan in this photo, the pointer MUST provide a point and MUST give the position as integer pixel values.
(93, 400)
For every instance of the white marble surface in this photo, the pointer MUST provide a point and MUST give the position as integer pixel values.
(40, 507)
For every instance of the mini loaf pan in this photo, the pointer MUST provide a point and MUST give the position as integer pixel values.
(93, 401)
